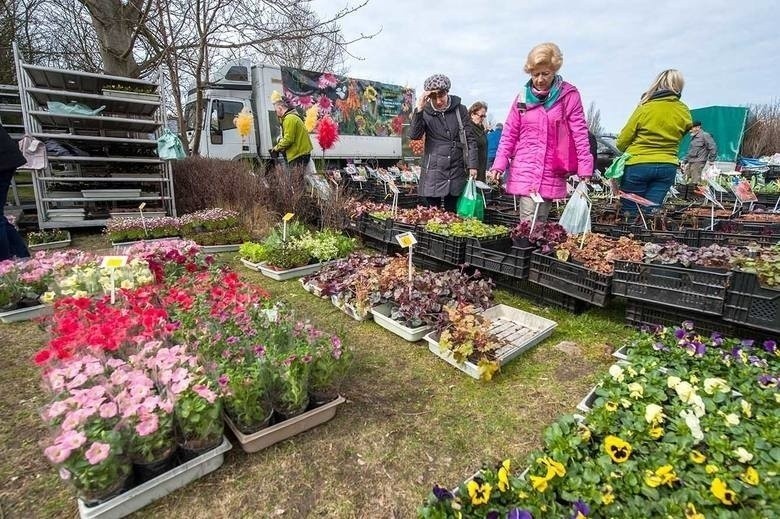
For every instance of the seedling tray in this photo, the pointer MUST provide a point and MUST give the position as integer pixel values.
(500, 256)
(25, 314)
(382, 317)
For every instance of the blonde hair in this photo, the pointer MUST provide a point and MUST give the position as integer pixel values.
(548, 54)
(670, 79)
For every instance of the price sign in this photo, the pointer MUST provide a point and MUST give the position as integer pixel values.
(288, 217)
(393, 188)
(537, 198)
(113, 262)
(406, 239)
(141, 207)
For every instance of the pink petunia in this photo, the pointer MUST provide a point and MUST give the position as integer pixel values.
(97, 452)
(166, 405)
(77, 381)
(205, 393)
(180, 386)
(64, 474)
(147, 426)
(108, 410)
(57, 453)
(71, 439)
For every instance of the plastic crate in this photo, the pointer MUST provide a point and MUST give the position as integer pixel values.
(693, 289)
(767, 199)
(616, 230)
(639, 314)
(431, 264)
(689, 237)
(500, 256)
(377, 229)
(748, 303)
(570, 278)
(398, 228)
(502, 217)
(449, 249)
(384, 247)
(540, 295)
(736, 239)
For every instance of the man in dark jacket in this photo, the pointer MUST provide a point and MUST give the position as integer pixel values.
(11, 243)
(450, 146)
(702, 150)
(477, 115)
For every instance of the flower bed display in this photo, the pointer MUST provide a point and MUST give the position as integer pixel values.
(138, 387)
(217, 230)
(125, 231)
(679, 443)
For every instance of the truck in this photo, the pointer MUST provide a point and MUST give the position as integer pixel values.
(372, 116)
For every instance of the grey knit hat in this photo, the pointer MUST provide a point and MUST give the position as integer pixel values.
(437, 82)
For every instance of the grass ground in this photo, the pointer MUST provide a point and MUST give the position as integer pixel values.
(410, 420)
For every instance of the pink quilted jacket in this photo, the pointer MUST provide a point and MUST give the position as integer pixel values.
(542, 147)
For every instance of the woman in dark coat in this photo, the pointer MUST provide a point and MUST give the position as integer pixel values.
(11, 243)
(477, 115)
(445, 123)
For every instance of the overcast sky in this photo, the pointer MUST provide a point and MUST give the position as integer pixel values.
(728, 52)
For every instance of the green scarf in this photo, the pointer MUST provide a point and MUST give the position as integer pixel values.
(552, 95)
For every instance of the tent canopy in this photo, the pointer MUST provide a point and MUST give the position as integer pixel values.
(726, 124)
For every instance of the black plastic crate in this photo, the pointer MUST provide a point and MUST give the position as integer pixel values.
(768, 199)
(505, 217)
(539, 294)
(388, 249)
(399, 227)
(689, 237)
(736, 239)
(615, 230)
(639, 314)
(378, 229)
(500, 256)
(449, 249)
(750, 304)
(680, 287)
(431, 264)
(570, 278)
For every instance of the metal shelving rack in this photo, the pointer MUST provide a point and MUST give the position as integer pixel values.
(11, 117)
(118, 147)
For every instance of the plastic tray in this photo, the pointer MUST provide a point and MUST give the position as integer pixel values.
(378, 229)
(500, 256)
(61, 244)
(736, 239)
(748, 303)
(286, 429)
(283, 275)
(312, 289)
(586, 403)
(640, 314)
(570, 278)
(449, 249)
(523, 330)
(698, 290)
(213, 249)
(381, 315)
(174, 479)
(124, 244)
(349, 309)
(25, 314)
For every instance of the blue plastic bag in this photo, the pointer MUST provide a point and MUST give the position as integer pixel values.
(169, 146)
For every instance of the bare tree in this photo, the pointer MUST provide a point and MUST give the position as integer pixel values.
(762, 130)
(594, 119)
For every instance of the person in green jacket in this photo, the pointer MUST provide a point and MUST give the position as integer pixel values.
(294, 142)
(652, 138)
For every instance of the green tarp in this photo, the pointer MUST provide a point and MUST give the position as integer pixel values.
(726, 124)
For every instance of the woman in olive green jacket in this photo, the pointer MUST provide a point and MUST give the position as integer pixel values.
(652, 138)
(295, 142)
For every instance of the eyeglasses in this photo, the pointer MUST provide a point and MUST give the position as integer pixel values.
(481, 116)
(439, 94)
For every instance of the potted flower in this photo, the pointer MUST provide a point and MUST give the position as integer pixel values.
(544, 235)
(217, 229)
(290, 384)
(198, 413)
(43, 240)
(329, 363)
(246, 386)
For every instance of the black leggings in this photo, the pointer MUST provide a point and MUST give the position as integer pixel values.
(450, 202)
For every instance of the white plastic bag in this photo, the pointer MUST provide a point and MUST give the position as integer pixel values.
(576, 215)
(710, 172)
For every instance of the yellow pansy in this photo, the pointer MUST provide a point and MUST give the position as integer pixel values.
(616, 372)
(726, 496)
(611, 407)
(625, 402)
(656, 432)
(685, 391)
(553, 467)
(664, 475)
(747, 409)
(697, 457)
(539, 483)
(636, 390)
(617, 449)
(584, 432)
(607, 497)
(479, 492)
(731, 419)
(503, 476)
(750, 476)
(691, 513)
(712, 385)
(711, 469)
(672, 381)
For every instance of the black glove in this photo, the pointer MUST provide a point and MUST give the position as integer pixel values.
(274, 153)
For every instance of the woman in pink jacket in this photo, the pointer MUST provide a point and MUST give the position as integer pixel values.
(545, 137)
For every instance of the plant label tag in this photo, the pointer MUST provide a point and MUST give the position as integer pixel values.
(597, 188)
(393, 188)
(288, 217)
(715, 186)
(537, 198)
(112, 262)
(406, 239)
(141, 207)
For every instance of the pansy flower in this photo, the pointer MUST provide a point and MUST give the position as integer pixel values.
(617, 449)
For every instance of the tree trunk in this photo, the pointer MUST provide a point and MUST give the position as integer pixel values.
(115, 25)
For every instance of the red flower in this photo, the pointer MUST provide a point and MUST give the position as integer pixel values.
(327, 133)
(43, 356)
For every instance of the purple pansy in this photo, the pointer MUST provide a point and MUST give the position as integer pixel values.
(441, 493)
(580, 508)
(519, 513)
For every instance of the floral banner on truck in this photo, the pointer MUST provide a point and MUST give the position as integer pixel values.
(360, 107)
